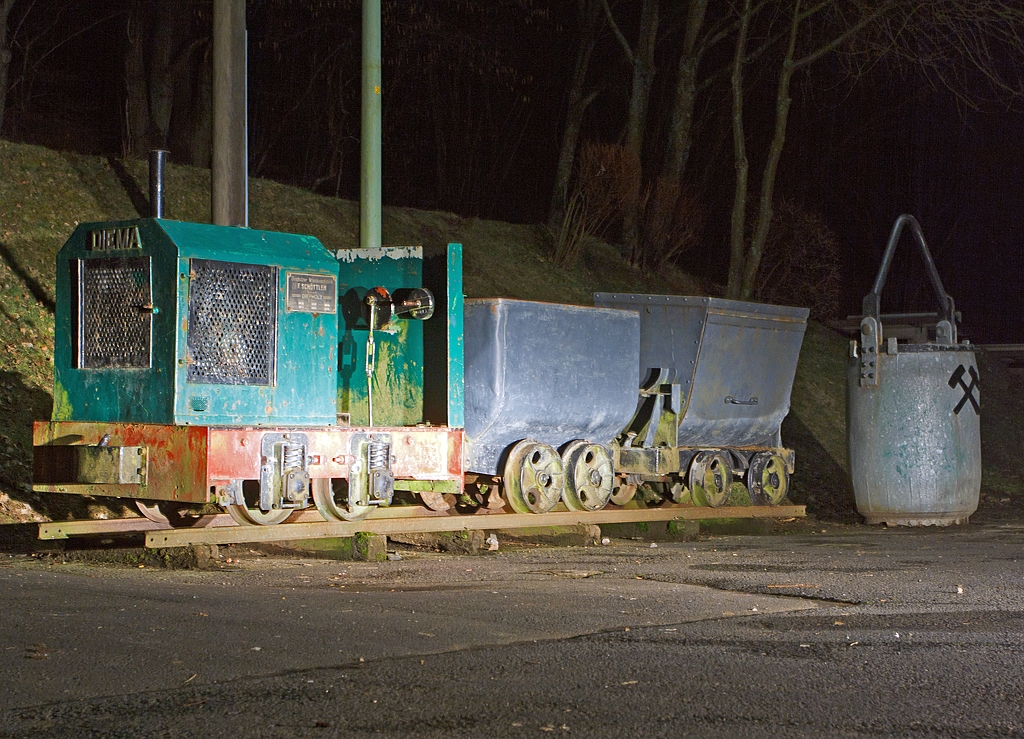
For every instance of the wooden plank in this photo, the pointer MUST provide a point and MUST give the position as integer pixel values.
(424, 524)
(119, 526)
(64, 529)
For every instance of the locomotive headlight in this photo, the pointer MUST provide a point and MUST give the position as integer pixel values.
(416, 303)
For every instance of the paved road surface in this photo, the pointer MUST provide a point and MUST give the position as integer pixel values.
(854, 632)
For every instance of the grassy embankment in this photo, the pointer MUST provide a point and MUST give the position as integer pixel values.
(44, 194)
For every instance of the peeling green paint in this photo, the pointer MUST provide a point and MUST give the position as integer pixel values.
(352, 256)
(62, 408)
(398, 369)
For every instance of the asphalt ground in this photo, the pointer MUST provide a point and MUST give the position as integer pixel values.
(837, 631)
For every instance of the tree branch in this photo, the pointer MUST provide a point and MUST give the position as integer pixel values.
(627, 50)
(841, 38)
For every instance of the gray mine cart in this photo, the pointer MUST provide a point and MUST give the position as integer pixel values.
(582, 405)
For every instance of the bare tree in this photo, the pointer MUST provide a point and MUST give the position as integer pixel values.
(680, 136)
(161, 54)
(5, 55)
(588, 13)
(33, 31)
(739, 147)
(953, 41)
(641, 60)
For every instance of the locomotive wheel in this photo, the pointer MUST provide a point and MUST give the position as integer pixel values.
(167, 513)
(435, 501)
(710, 479)
(245, 516)
(331, 498)
(767, 479)
(248, 512)
(589, 476)
(534, 477)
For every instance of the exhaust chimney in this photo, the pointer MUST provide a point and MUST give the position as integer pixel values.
(157, 161)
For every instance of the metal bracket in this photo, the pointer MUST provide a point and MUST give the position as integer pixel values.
(658, 395)
(118, 465)
(371, 480)
(284, 474)
(945, 330)
(870, 340)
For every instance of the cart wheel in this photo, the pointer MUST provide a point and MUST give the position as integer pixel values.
(331, 498)
(534, 477)
(588, 476)
(767, 479)
(710, 478)
(677, 491)
(623, 493)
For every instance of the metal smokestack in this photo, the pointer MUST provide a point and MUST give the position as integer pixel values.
(157, 161)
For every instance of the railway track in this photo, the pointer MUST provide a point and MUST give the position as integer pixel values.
(221, 529)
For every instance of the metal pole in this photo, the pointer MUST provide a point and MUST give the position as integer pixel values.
(370, 157)
(157, 160)
(229, 194)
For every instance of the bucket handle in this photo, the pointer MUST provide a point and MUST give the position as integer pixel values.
(871, 305)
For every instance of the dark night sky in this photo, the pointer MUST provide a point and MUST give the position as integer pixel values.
(859, 155)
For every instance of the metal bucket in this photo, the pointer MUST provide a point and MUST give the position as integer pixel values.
(913, 412)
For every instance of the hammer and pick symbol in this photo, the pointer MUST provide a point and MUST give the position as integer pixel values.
(957, 378)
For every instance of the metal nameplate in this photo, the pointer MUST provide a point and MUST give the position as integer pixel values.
(114, 239)
(307, 293)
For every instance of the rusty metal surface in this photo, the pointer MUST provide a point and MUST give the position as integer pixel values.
(283, 532)
(176, 467)
(421, 453)
(119, 465)
(184, 462)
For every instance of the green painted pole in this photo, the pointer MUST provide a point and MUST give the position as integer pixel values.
(370, 159)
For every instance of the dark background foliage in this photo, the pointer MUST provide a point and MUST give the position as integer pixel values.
(476, 95)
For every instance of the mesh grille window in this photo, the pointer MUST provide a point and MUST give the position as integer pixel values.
(232, 320)
(114, 305)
